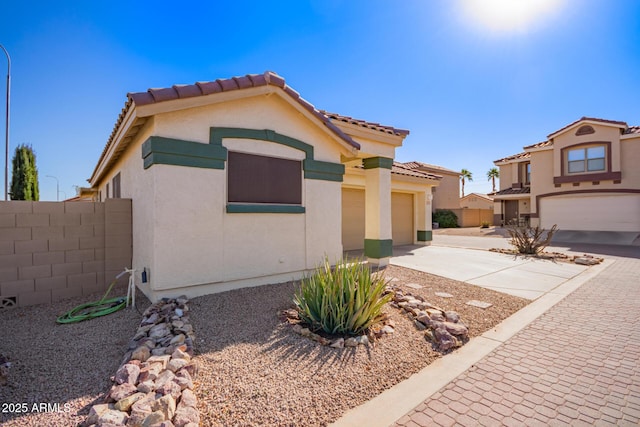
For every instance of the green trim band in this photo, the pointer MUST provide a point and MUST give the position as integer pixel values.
(257, 208)
(316, 169)
(374, 248)
(169, 151)
(377, 162)
(425, 235)
(216, 135)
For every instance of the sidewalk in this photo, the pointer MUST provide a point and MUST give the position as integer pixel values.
(576, 363)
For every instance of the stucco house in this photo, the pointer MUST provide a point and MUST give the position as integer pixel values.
(241, 182)
(447, 194)
(583, 177)
(476, 201)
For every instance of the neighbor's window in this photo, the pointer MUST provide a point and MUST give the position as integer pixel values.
(107, 192)
(589, 159)
(115, 182)
(260, 179)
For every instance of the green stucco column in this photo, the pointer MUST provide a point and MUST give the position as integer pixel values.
(377, 230)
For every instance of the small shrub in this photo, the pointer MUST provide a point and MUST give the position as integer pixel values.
(484, 224)
(346, 299)
(445, 219)
(530, 240)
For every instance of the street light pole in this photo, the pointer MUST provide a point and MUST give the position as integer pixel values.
(6, 131)
(57, 187)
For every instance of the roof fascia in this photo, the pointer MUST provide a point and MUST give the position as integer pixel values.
(130, 118)
(354, 130)
(585, 121)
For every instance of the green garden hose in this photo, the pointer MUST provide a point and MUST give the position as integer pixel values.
(94, 309)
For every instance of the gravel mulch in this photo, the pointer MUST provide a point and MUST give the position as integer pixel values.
(64, 367)
(254, 371)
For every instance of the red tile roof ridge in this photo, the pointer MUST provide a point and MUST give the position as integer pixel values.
(632, 130)
(592, 119)
(402, 169)
(366, 124)
(414, 164)
(542, 144)
(182, 91)
(523, 155)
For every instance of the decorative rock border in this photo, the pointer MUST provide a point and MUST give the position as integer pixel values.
(584, 259)
(443, 328)
(154, 384)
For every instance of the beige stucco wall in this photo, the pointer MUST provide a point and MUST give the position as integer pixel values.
(447, 194)
(475, 202)
(182, 233)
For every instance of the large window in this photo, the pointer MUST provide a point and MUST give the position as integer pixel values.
(260, 179)
(588, 159)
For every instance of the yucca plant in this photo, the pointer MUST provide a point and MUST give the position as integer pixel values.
(345, 299)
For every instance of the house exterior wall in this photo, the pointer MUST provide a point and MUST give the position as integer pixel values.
(447, 194)
(185, 207)
(472, 201)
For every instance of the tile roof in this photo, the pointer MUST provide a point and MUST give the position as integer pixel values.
(518, 156)
(509, 191)
(593, 119)
(416, 165)
(362, 123)
(484, 196)
(268, 78)
(632, 129)
(401, 169)
(542, 144)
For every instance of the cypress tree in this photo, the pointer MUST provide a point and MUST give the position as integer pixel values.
(24, 176)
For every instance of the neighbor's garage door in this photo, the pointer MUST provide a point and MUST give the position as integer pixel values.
(353, 212)
(597, 212)
(402, 218)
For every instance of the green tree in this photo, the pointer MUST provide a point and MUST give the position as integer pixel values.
(465, 175)
(24, 175)
(492, 175)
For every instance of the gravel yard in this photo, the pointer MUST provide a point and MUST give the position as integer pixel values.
(64, 367)
(255, 371)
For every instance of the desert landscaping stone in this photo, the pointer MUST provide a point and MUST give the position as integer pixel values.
(156, 373)
(413, 285)
(479, 304)
(443, 295)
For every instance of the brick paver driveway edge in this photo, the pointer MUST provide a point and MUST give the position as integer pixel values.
(389, 406)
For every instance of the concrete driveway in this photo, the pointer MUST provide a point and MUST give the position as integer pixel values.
(524, 277)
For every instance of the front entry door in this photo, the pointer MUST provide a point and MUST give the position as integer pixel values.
(510, 212)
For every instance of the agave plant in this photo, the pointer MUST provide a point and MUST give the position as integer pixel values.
(345, 299)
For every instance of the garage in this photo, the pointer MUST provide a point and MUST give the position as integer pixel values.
(353, 211)
(402, 218)
(352, 219)
(592, 212)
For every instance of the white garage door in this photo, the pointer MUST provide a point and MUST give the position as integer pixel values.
(353, 212)
(402, 218)
(597, 212)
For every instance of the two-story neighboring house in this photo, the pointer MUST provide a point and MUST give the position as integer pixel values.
(583, 177)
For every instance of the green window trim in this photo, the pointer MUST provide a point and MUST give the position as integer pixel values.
(425, 235)
(178, 152)
(377, 249)
(377, 162)
(260, 208)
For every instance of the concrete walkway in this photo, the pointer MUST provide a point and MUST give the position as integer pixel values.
(572, 357)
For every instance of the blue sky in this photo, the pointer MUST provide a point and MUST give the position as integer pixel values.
(470, 87)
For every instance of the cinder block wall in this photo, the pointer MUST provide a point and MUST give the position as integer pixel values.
(473, 217)
(55, 250)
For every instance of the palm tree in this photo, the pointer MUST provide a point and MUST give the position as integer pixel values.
(492, 175)
(465, 175)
